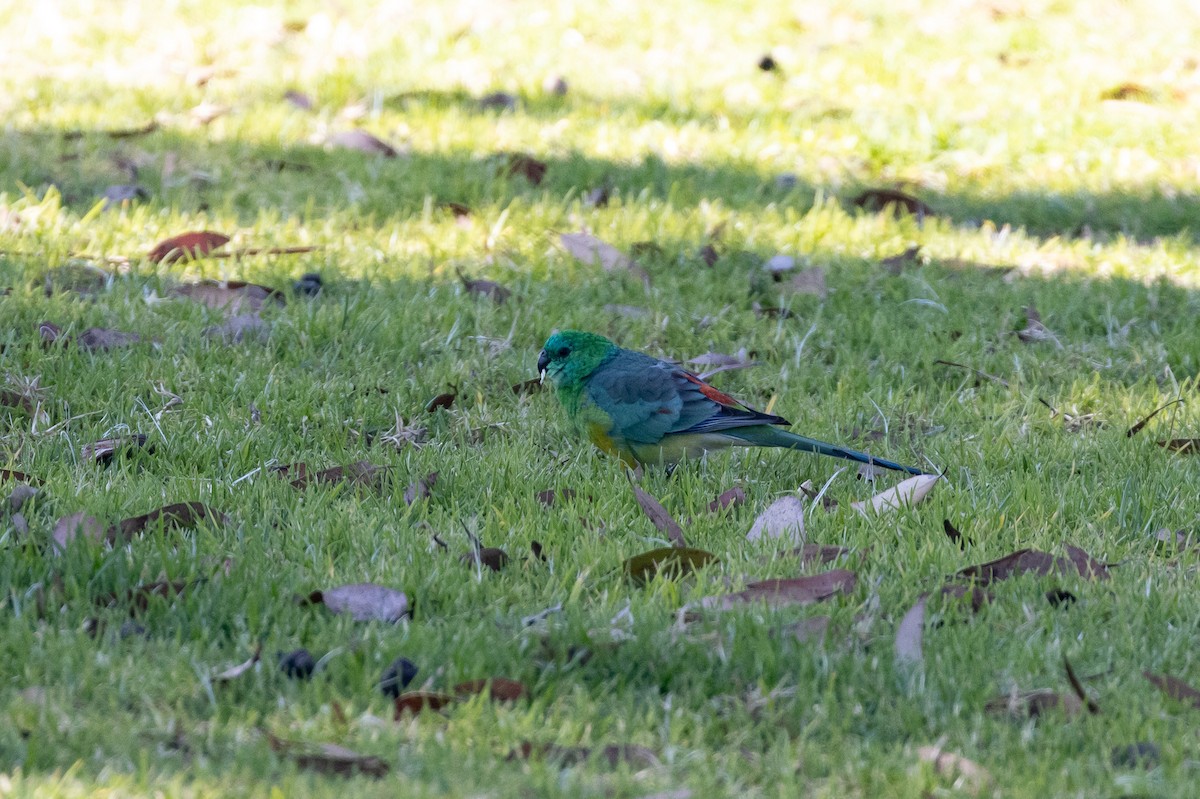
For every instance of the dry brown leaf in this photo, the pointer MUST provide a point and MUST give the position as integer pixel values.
(1175, 688)
(363, 602)
(613, 754)
(527, 167)
(105, 450)
(485, 288)
(1036, 562)
(1183, 446)
(498, 689)
(550, 496)
(416, 701)
(895, 264)
(955, 536)
(15, 399)
(363, 142)
(1137, 428)
(298, 100)
(193, 244)
(179, 515)
(1034, 704)
(910, 634)
(420, 489)
(730, 498)
(783, 519)
(658, 516)
(876, 200)
(360, 473)
(77, 525)
(906, 493)
(818, 553)
(18, 477)
(329, 758)
(231, 296)
(493, 558)
(788, 591)
(1034, 330)
(592, 251)
(668, 561)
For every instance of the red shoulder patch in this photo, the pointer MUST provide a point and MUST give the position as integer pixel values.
(719, 397)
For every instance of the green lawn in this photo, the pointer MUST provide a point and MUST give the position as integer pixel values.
(1055, 145)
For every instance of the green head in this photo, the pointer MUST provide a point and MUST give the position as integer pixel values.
(571, 355)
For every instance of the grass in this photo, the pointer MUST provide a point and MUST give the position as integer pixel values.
(1045, 194)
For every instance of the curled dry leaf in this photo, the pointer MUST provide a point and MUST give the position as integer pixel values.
(910, 634)
(444, 401)
(485, 288)
(231, 296)
(955, 536)
(363, 602)
(592, 251)
(363, 142)
(1077, 687)
(360, 473)
(493, 558)
(906, 493)
(193, 244)
(818, 553)
(967, 774)
(77, 525)
(1034, 330)
(783, 519)
(527, 167)
(550, 496)
(977, 596)
(876, 200)
(730, 498)
(789, 591)
(15, 399)
(416, 701)
(235, 672)
(658, 516)
(18, 477)
(329, 758)
(106, 449)
(241, 328)
(1036, 562)
(1183, 446)
(1175, 688)
(498, 689)
(179, 515)
(1137, 428)
(667, 561)
(420, 489)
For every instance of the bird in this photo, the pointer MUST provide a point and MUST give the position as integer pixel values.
(647, 411)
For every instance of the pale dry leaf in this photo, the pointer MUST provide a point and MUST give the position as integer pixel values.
(782, 520)
(590, 250)
(779, 264)
(365, 602)
(907, 493)
(967, 774)
(910, 633)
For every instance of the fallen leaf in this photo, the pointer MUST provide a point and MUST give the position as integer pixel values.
(789, 591)
(79, 276)
(420, 489)
(709, 255)
(193, 244)
(1137, 428)
(809, 281)
(363, 602)
(1175, 688)
(498, 689)
(231, 295)
(1087, 566)
(1036, 562)
(329, 758)
(767, 63)
(876, 200)
(528, 167)
(550, 496)
(360, 473)
(1077, 687)
(298, 100)
(668, 561)
(955, 536)
(498, 101)
(1034, 330)
(827, 502)
(459, 210)
(18, 477)
(776, 265)
(443, 401)
(205, 113)
(906, 493)
(101, 338)
(967, 774)
(592, 251)
(1129, 92)
(415, 701)
(1183, 446)
(1034, 704)
(814, 628)
(613, 754)
(235, 672)
(485, 288)
(104, 450)
(977, 595)
(730, 498)
(363, 142)
(180, 515)
(13, 399)
(783, 519)
(77, 525)
(818, 553)
(21, 494)
(493, 558)
(238, 329)
(910, 633)
(658, 516)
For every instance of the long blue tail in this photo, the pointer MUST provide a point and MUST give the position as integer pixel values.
(768, 436)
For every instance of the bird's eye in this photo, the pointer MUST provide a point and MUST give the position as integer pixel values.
(563, 352)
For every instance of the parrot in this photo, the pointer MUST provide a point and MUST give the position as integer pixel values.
(649, 411)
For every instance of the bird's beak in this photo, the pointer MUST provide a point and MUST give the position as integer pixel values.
(543, 362)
